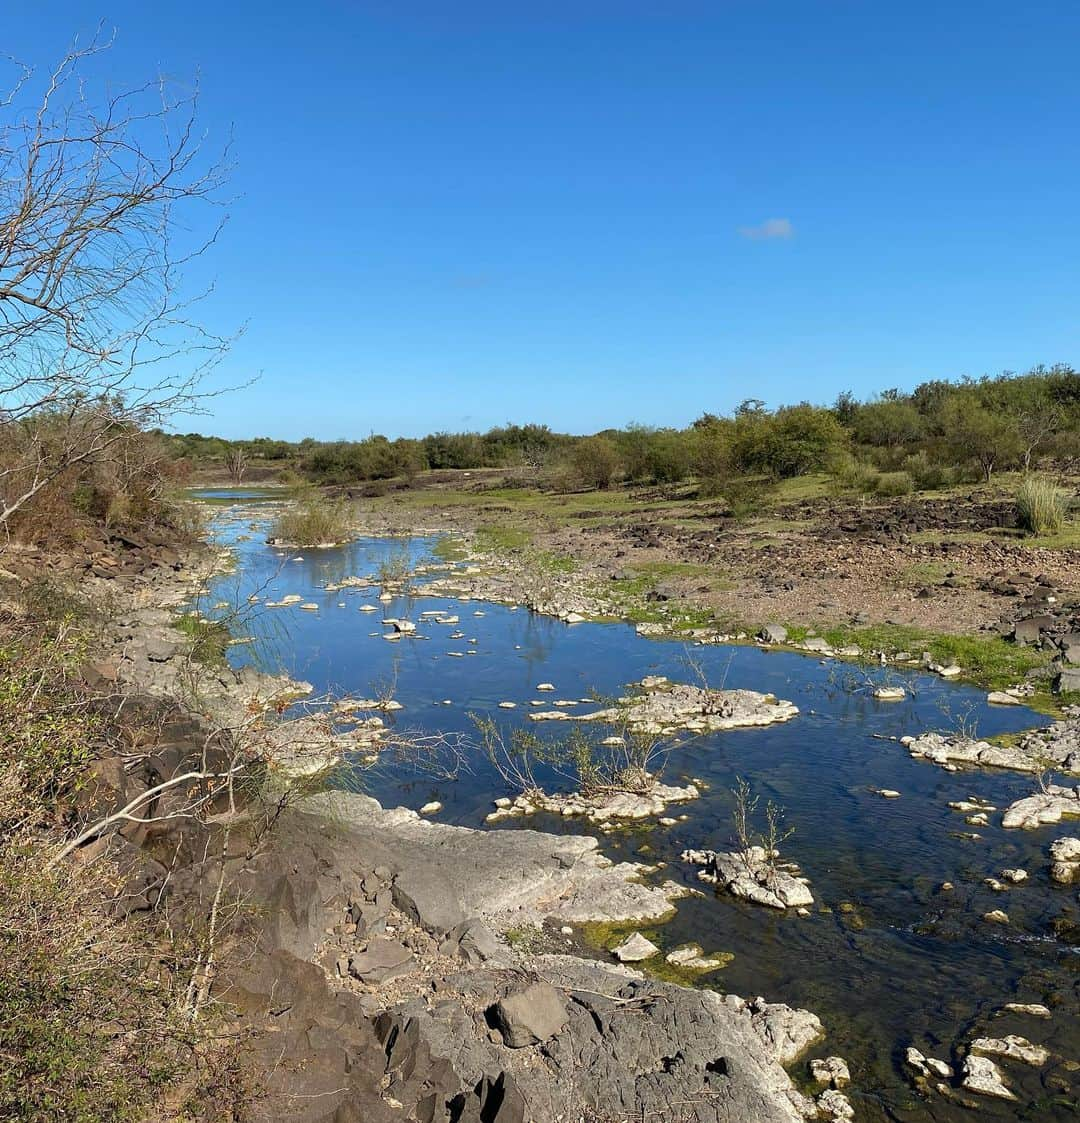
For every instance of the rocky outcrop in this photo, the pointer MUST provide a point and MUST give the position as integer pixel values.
(598, 807)
(753, 875)
(470, 1035)
(666, 707)
(1044, 807)
(1065, 861)
(1057, 746)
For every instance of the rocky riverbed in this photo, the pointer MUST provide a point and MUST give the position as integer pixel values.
(377, 951)
(385, 983)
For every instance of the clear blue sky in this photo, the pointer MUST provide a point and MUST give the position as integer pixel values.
(453, 214)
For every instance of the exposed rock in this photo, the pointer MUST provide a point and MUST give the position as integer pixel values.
(890, 693)
(634, 949)
(945, 750)
(982, 1076)
(1013, 1046)
(529, 1016)
(474, 942)
(600, 807)
(753, 875)
(1002, 698)
(773, 633)
(382, 961)
(506, 877)
(1032, 1009)
(1065, 859)
(692, 958)
(1043, 808)
(832, 1072)
(996, 916)
(425, 896)
(665, 707)
(1067, 680)
(835, 1106)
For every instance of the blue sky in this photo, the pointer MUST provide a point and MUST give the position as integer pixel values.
(451, 215)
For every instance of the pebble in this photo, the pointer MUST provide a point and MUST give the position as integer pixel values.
(431, 808)
(996, 916)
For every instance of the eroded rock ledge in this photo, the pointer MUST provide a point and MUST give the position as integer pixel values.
(483, 1032)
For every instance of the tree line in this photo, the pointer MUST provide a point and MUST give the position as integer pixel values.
(942, 432)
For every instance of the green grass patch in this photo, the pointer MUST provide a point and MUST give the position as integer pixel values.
(497, 539)
(449, 549)
(987, 660)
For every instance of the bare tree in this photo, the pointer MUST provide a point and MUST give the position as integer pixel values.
(98, 198)
(236, 462)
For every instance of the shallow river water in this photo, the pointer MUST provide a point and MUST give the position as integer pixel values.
(886, 960)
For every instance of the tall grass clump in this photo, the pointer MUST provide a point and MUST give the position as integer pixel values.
(1040, 506)
(313, 520)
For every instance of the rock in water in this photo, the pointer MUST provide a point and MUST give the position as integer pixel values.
(832, 1072)
(635, 949)
(1014, 1046)
(984, 1078)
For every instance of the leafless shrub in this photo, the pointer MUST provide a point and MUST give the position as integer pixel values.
(98, 198)
(743, 816)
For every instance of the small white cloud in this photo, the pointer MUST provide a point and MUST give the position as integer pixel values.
(770, 229)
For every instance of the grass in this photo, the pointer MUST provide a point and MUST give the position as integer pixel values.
(449, 549)
(987, 660)
(527, 939)
(499, 539)
(1041, 506)
(918, 574)
(209, 638)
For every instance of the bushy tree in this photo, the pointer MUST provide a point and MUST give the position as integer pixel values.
(594, 462)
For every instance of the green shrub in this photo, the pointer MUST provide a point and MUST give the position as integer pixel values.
(593, 462)
(852, 474)
(313, 520)
(894, 483)
(1040, 505)
(926, 473)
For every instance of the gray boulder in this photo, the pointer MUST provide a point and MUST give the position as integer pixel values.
(429, 899)
(1031, 629)
(530, 1016)
(1068, 679)
(773, 633)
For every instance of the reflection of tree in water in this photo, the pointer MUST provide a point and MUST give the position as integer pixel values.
(536, 636)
